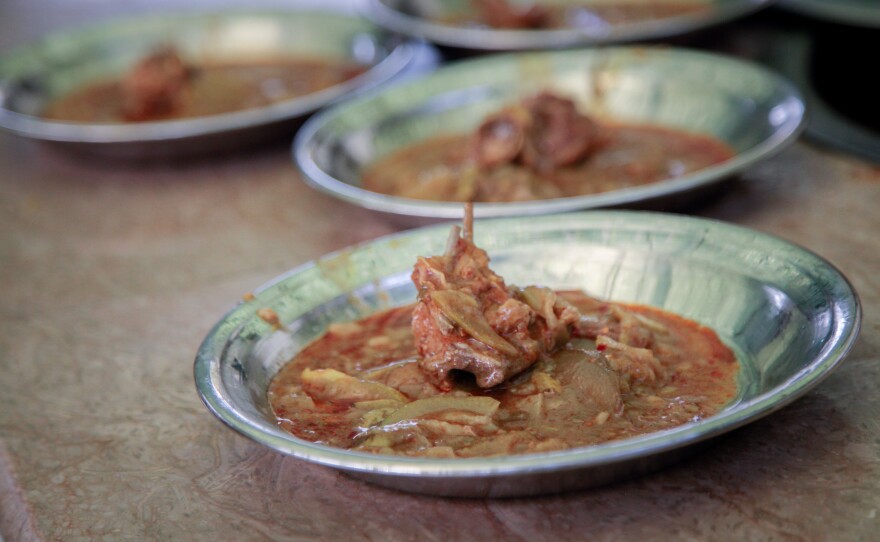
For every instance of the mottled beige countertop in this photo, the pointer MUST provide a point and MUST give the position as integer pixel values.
(112, 274)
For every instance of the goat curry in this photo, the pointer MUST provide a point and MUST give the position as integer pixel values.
(477, 367)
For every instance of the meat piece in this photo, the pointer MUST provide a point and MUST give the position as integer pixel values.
(614, 321)
(559, 135)
(501, 137)
(558, 316)
(500, 14)
(544, 132)
(468, 319)
(156, 87)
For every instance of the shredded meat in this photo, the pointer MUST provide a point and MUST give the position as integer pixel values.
(156, 87)
(625, 337)
(500, 14)
(544, 132)
(468, 319)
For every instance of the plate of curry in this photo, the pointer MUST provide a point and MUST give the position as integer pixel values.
(526, 356)
(536, 133)
(507, 25)
(190, 82)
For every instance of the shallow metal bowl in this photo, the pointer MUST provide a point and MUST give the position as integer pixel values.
(788, 314)
(423, 19)
(756, 112)
(34, 75)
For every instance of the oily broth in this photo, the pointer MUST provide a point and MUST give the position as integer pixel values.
(630, 155)
(216, 88)
(701, 379)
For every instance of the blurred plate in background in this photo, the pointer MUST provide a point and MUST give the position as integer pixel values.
(34, 76)
(749, 108)
(457, 23)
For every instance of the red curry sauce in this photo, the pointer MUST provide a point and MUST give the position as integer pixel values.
(563, 402)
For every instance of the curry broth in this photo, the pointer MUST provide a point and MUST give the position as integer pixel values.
(538, 410)
(214, 88)
(630, 155)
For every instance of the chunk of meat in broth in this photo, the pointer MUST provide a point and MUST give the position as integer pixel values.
(468, 319)
(544, 132)
(501, 137)
(560, 135)
(156, 87)
(626, 338)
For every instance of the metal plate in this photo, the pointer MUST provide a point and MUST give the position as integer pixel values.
(32, 76)
(752, 109)
(418, 18)
(787, 313)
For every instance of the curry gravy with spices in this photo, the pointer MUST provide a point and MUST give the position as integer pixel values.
(359, 387)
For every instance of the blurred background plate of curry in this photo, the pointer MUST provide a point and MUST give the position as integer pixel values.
(789, 316)
(264, 46)
(748, 108)
(550, 24)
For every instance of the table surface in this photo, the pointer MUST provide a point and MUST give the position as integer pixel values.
(113, 273)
